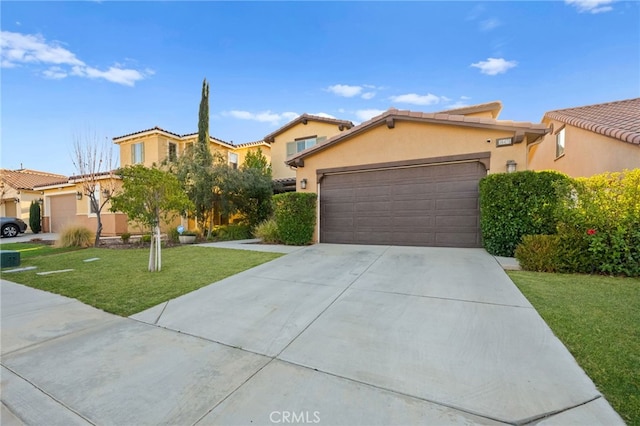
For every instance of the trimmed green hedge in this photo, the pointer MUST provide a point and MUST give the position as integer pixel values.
(295, 215)
(513, 205)
(34, 217)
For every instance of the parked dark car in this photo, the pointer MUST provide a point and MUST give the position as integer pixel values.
(12, 226)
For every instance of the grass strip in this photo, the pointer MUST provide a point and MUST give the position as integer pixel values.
(598, 320)
(119, 281)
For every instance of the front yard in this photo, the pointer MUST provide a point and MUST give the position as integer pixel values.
(118, 282)
(598, 320)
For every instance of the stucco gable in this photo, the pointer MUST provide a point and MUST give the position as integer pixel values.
(304, 118)
(390, 116)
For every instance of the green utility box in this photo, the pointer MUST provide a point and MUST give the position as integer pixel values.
(9, 258)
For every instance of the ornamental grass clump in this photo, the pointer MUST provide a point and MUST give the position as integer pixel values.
(267, 231)
(75, 236)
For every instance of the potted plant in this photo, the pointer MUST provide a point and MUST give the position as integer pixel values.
(187, 237)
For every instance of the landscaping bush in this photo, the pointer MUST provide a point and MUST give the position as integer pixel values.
(125, 237)
(75, 236)
(34, 217)
(267, 231)
(145, 239)
(295, 215)
(599, 224)
(538, 253)
(173, 235)
(233, 232)
(516, 204)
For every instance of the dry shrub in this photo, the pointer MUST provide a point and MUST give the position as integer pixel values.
(75, 236)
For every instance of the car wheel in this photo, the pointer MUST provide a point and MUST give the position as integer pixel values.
(10, 231)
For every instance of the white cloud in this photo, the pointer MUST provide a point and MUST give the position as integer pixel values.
(18, 49)
(345, 90)
(262, 117)
(348, 91)
(323, 114)
(458, 104)
(494, 66)
(591, 6)
(127, 77)
(55, 73)
(415, 99)
(366, 114)
(490, 24)
(465, 98)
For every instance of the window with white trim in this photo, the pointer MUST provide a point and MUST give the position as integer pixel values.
(172, 154)
(137, 153)
(233, 160)
(560, 143)
(303, 143)
(96, 194)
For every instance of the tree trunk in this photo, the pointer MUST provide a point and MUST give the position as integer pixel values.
(96, 243)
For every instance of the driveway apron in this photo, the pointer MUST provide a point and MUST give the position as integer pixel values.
(330, 334)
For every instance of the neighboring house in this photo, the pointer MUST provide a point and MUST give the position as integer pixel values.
(153, 146)
(411, 178)
(297, 135)
(18, 190)
(589, 140)
(65, 203)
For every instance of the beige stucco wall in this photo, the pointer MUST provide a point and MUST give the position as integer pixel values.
(411, 140)
(22, 206)
(279, 145)
(585, 153)
(112, 223)
(242, 152)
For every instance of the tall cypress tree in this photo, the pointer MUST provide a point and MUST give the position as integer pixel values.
(203, 154)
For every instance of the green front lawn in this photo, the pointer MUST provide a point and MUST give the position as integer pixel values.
(598, 320)
(119, 281)
(33, 249)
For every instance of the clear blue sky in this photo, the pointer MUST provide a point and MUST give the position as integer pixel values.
(121, 67)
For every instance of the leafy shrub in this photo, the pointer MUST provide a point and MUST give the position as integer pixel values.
(75, 236)
(233, 232)
(538, 253)
(173, 235)
(295, 215)
(125, 237)
(34, 217)
(267, 231)
(516, 204)
(599, 224)
(145, 239)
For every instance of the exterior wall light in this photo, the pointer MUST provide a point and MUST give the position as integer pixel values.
(511, 166)
(303, 184)
(78, 195)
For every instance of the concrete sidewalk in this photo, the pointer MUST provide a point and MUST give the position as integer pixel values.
(329, 334)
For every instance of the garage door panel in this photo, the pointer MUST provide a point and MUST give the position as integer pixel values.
(431, 205)
(62, 211)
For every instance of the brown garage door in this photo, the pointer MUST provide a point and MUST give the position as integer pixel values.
(63, 211)
(428, 205)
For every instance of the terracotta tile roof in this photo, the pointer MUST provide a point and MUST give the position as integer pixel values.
(254, 143)
(619, 119)
(391, 115)
(270, 137)
(495, 107)
(184, 136)
(156, 128)
(29, 179)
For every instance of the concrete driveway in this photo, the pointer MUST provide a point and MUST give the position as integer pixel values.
(330, 334)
